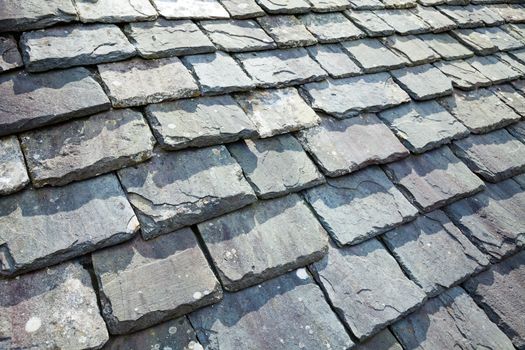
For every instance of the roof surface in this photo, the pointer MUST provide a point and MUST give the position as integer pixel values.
(269, 174)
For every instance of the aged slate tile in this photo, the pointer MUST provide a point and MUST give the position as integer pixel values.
(383, 340)
(331, 27)
(13, 173)
(85, 148)
(177, 189)
(111, 11)
(286, 7)
(366, 287)
(437, 21)
(138, 82)
(499, 292)
(238, 35)
(515, 30)
(494, 156)
(287, 31)
(334, 59)
(373, 56)
(346, 97)
(480, 110)
(343, 146)
(9, 56)
(287, 312)
(404, 22)
(32, 100)
(53, 308)
(164, 38)
(370, 23)
(399, 4)
(277, 111)
(276, 166)
(520, 179)
(359, 206)
(434, 179)
(424, 82)
(434, 253)
(476, 40)
(412, 48)
(518, 55)
(360, 5)
(450, 320)
(218, 73)
(518, 130)
(471, 16)
(58, 223)
(329, 5)
(510, 96)
(74, 45)
(243, 8)
(446, 46)
(262, 241)
(153, 281)
(423, 126)
(463, 75)
(495, 68)
(196, 9)
(492, 218)
(199, 122)
(510, 13)
(30, 14)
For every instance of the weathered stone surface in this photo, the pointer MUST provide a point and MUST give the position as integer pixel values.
(471, 16)
(9, 56)
(290, 6)
(62, 222)
(334, 60)
(281, 67)
(518, 130)
(111, 11)
(287, 31)
(287, 312)
(53, 308)
(488, 40)
(520, 179)
(277, 111)
(346, 97)
(446, 46)
(450, 320)
(463, 75)
(434, 179)
(423, 82)
(177, 189)
(434, 253)
(373, 56)
(329, 5)
(423, 126)
(196, 9)
(243, 8)
(496, 69)
(331, 27)
(480, 110)
(74, 45)
(510, 13)
(238, 35)
(412, 48)
(511, 97)
(399, 4)
(367, 287)
(32, 100)
(383, 340)
(343, 146)
(404, 22)
(138, 82)
(370, 23)
(493, 218)
(499, 292)
(218, 73)
(13, 174)
(164, 38)
(359, 206)
(85, 148)
(494, 156)
(366, 5)
(153, 281)
(19, 15)
(262, 241)
(199, 122)
(437, 21)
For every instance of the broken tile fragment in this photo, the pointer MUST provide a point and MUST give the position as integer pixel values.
(373, 56)
(30, 14)
(415, 50)
(510, 96)
(331, 27)
(423, 82)
(287, 31)
(111, 11)
(284, 7)
(242, 9)
(9, 56)
(13, 173)
(238, 35)
(194, 9)
(463, 75)
(334, 60)
(446, 46)
(370, 23)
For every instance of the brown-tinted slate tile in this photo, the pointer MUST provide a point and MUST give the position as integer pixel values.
(9, 56)
(496, 68)
(177, 189)
(33, 100)
(511, 97)
(195, 9)
(404, 22)
(415, 50)
(26, 14)
(263, 241)
(238, 35)
(331, 27)
(383, 340)
(276, 166)
(60, 223)
(142, 283)
(53, 308)
(367, 287)
(373, 56)
(424, 82)
(111, 11)
(13, 173)
(446, 46)
(288, 312)
(463, 75)
(492, 219)
(343, 146)
(437, 21)
(287, 31)
(358, 206)
(285, 7)
(243, 8)
(370, 23)
(334, 59)
(434, 179)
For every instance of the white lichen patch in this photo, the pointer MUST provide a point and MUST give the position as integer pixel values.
(194, 346)
(33, 324)
(302, 274)
(197, 295)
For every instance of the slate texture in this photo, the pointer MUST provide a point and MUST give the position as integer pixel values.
(195, 9)
(287, 31)
(243, 8)
(28, 14)
(13, 173)
(9, 56)
(373, 56)
(423, 82)
(331, 27)
(383, 340)
(238, 35)
(111, 11)
(333, 59)
(463, 75)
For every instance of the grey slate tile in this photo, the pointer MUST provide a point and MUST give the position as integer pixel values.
(111, 11)
(476, 40)
(331, 27)
(343, 146)
(511, 97)
(85, 148)
(153, 281)
(361, 5)
(370, 23)
(509, 12)
(276, 166)
(437, 21)
(32, 100)
(199, 122)
(404, 22)
(75, 45)
(242, 9)
(496, 68)
(287, 31)
(359, 206)
(195, 9)
(366, 287)
(424, 82)
(383, 340)
(30, 14)
(518, 130)
(434, 179)
(471, 16)
(238, 35)
(334, 59)
(520, 179)
(373, 56)
(446, 46)
(415, 50)
(287, 312)
(329, 5)
(463, 75)
(515, 30)
(13, 173)
(63, 218)
(177, 189)
(285, 7)
(263, 241)
(399, 4)
(9, 56)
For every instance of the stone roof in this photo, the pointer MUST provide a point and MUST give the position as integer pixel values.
(262, 174)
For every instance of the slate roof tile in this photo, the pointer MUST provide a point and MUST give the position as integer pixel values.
(9, 56)
(334, 59)
(331, 27)
(13, 173)
(237, 35)
(509, 12)
(446, 46)
(242, 9)
(488, 40)
(196, 9)
(511, 97)
(365, 5)
(111, 11)
(287, 31)
(373, 56)
(26, 14)
(286, 7)
(370, 23)
(404, 22)
(518, 130)
(383, 340)
(437, 21)
(471, 16)
(412, 48)
(495, 68)
(463, 75)
(423, 82)
(329, 5)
